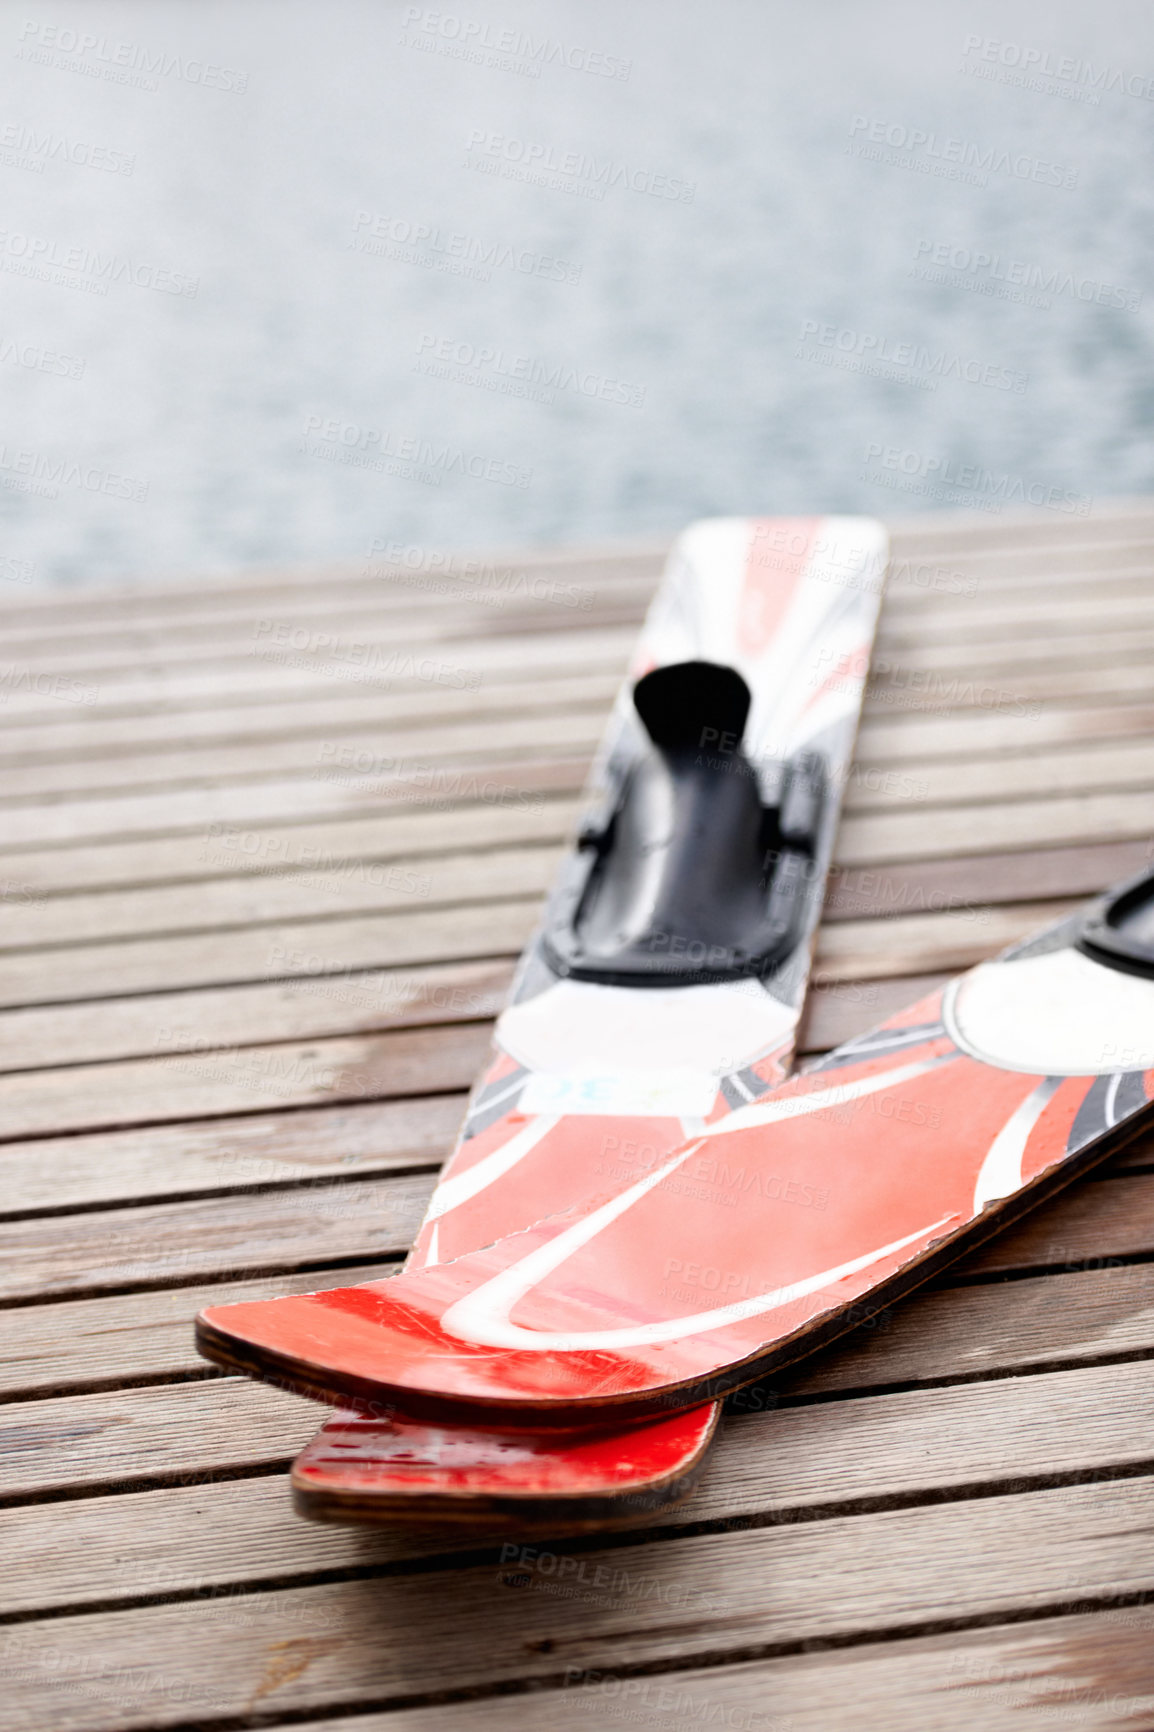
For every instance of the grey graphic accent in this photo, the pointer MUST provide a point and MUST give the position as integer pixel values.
(493, 1102)
(879, 1044)
(1109, 1100)
(742, 1086)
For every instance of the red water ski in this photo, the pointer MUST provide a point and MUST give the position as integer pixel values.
(757, 1239)
(612, 1051)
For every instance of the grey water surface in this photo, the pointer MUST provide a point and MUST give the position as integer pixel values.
(283, 281)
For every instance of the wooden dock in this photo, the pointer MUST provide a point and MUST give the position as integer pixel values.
(268, 850)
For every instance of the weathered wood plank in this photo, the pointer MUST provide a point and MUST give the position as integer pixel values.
(1091, 1671)
(504, 783)
(449, 757)
(420, 882)
(1020, 530)
(359, 637)
(965, 735)
(1035, 774)
(169, 732)
(507, 782)
(243, 1079)
(1089, 649)
(929, 943)
(876, 838)
(163, 736)
(378, 754)
(173, 1542)
(363, 635)
(944, 691)
(73, 1170)
(525, 782)
(237, 1234)
(850, 949)
(193, 1158)
(307, 1009)
(977, 619)
(51, 1036)
(250, 846)
(51, 693)
(123, 1437)
(285, 951)
(240, 847)
(342, 609)
(333, 624)
(250, 590)
(153, 618)
(972, 883)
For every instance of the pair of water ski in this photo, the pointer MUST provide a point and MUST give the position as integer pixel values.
(642, 1213)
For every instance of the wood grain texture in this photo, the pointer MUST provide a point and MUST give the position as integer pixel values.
(247, 845)
(172, 732)
(419, 883)
(375, 752)
(149, 1024)
(874, 839)
(502, 782)
(974, 734)
(173, 1243)
(298, 950)
(1016, 691)
(1090, 1671)
(58, 1174)
(48, 693)
(924, 943)
(249, 591)
(243, 1079)
(345, 613)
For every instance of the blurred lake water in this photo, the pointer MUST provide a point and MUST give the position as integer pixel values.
(285, 283)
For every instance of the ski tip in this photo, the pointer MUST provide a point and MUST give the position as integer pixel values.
(285, 1342)
(375, 1350)
(389, 1471)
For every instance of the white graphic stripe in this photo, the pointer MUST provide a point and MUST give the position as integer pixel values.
(482, 1316)
(798, 1106)
(457, 1190)
(498, 1094)
(1001, 1172)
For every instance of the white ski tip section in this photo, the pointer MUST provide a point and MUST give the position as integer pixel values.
(1057, 1014)
(666, 1094)
(578, 1028)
